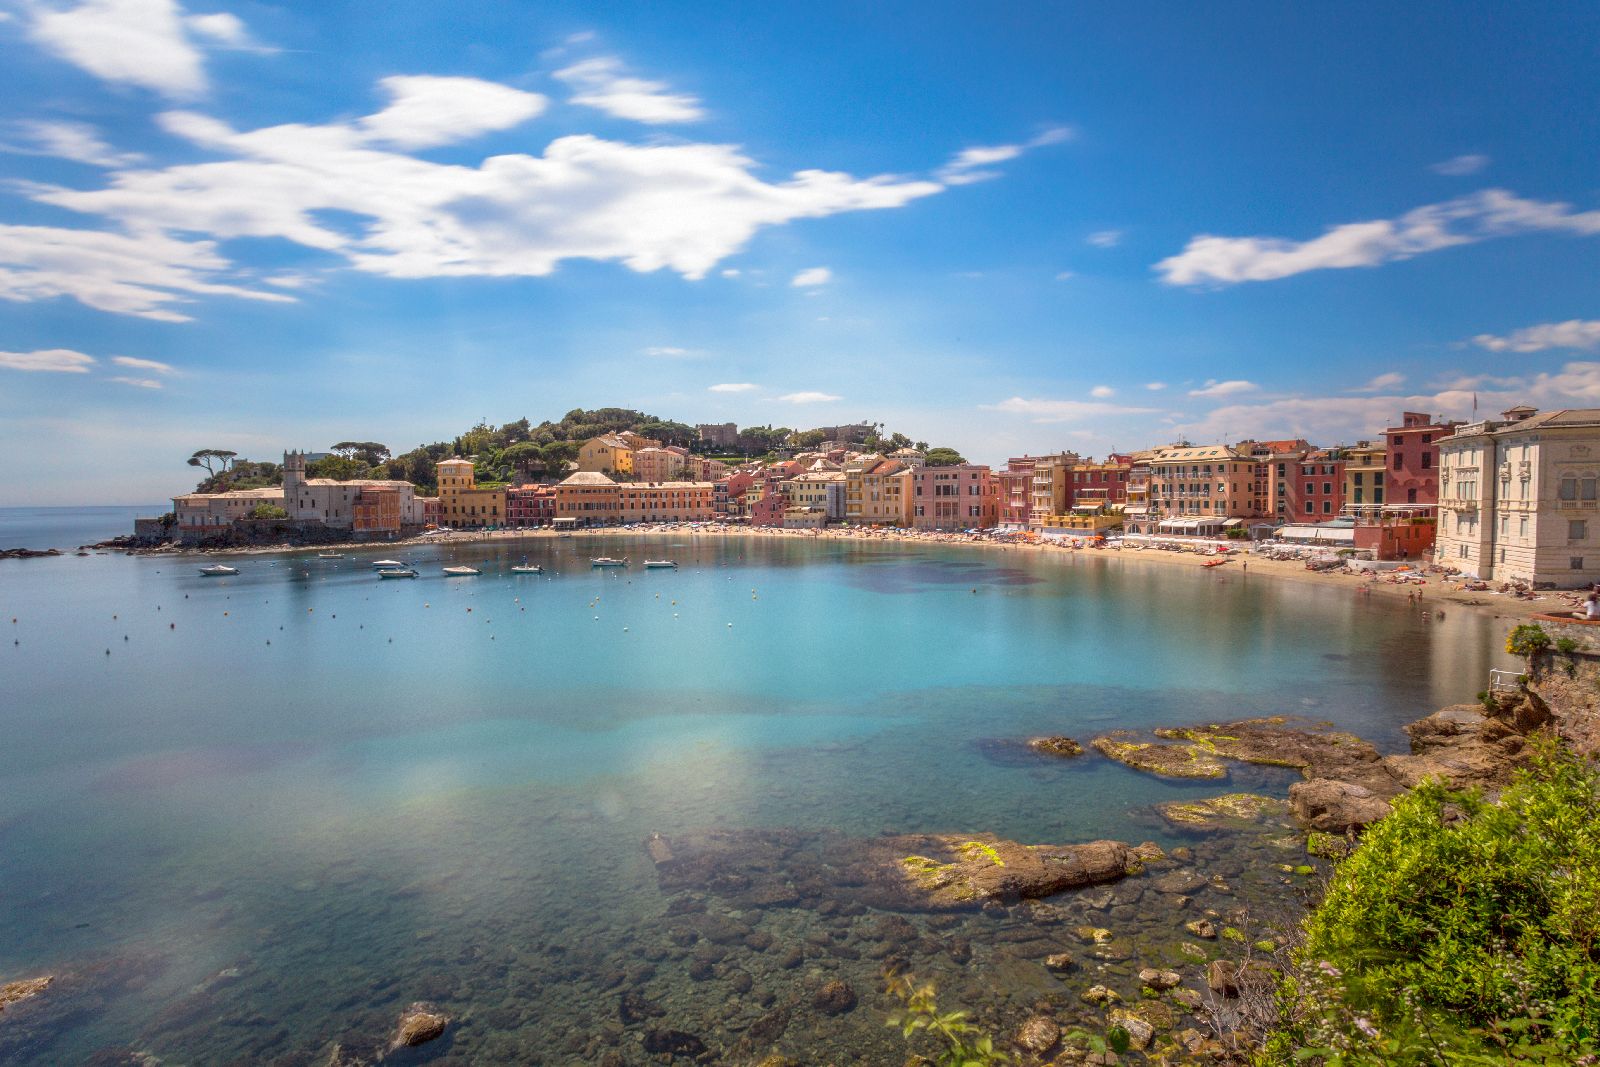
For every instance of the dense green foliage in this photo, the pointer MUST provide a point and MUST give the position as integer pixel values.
(1528, 639)
(1460, 931)
(943, 457)
(513, 453)
(268, 511)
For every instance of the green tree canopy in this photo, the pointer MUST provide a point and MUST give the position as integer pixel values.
(212, 459)
(943, 457)
(369, 452)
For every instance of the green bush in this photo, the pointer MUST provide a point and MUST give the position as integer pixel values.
(1459, 932)
(1529, 639)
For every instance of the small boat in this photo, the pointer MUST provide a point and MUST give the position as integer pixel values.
(330, 555)
(462, 572)
(397, 572)
(660, 564)
(384, 564)
(217, 570)
(607, 561)
(1215, 562)
(527, 568)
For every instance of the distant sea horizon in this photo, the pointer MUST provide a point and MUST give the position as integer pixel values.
(68, 526)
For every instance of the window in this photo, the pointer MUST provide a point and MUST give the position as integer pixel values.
(1505, 521)
(1586, 488)
(1397, 461)
(1577, 563)
(1522, 526)
(1310, 507)
(1327, 487)
(1427, 460)
(1568, 489)
(1577, 529)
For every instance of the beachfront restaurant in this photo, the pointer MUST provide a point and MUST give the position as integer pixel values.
(1198, 526)
(1334, 534)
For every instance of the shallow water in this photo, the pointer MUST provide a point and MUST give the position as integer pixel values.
(253, 816)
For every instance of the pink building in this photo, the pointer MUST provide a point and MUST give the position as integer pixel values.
(1099, 483)
(953, 498)
(530, 505)
(1014, 492)
(1413, 458)
(769, 509)
(1316, 488)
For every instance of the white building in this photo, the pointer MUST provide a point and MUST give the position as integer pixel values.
(212, 512)
(1519, 498)
(333, 503)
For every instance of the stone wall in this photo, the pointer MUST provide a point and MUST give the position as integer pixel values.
(1569, 681)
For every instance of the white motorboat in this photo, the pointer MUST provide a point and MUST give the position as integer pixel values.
(462, 572)
(217, 570)
(384, 564)
(330, 555)
(397, 572)
(660, 564)
(527, 568)
(607, 561)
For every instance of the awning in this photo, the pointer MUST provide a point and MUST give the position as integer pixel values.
(1318, 534)
(1233, 522)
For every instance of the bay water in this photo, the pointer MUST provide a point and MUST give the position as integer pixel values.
(250, 818)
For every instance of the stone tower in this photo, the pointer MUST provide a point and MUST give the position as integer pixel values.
(294, 480)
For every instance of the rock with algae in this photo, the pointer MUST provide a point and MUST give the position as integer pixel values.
(16, 992)
(1055, 746)
(1231, 811)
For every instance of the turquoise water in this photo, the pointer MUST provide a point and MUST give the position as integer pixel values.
(252, 816)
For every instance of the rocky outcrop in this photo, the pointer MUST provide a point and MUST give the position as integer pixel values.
(1330, 806)
(901, 872)
(1232, 811)
(28, 553)
(1055, 746)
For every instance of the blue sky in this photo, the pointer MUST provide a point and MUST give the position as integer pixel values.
(258, 226)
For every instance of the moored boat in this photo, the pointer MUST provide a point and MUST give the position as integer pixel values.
(462, 572)
(527, 568)
(607, 561)
(383, 564)
(330, 555)
(217, 570)
(397, 572)
(660, 564)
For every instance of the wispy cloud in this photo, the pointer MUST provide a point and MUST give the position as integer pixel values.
(671, 352)
(1044, 410)
(1227, 388)
(1155, 387)
(1460, 166)
(138, 383)
(812, 276)
(969, 165)
(1105, 238)
(1574, 333)
(49, 360)
(1478, 217)
(602, 83)
(426, 111)
(1382, 383)
(733, 387)
(135, 363)
(76, 141)
(1065, 275)
(1102, 392)
(809, 397)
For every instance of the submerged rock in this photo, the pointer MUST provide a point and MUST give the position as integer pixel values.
(948, 871)
(834, 998)
(1233, 810)
(673, 1043)
(420, 1024)
(1159, 980)
(1039, 1035)
(1055, 746)
(1169, 761)
(16, 992)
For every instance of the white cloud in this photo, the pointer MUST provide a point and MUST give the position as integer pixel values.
(1065, 275)
(1574, 333)
(76, 141)
(135, 42)
(1042, 410)
(1469, 219)
(809, 397)
(967, 166)
(55, 360)
(731, 272)
(1105, 238)
(1227, 388)
(1155, 387)
(140, 274)
(734, 387)
(812, 276)
(1461, 166)
(225, 30)
(140, 383)
(600, 83)
(135, 363)
(1381, 383)
(682, 207)
(1102, 392)
(672, 352)
(427, 111)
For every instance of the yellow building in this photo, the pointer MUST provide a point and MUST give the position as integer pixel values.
(878, 493)
(462, 503)
(1364, 468)
(609, 453)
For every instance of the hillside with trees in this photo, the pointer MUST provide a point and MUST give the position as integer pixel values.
(520, 451)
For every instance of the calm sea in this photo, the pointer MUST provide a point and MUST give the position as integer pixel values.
(249, 818)
(67, 528)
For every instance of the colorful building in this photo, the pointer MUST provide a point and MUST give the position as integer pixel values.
(1205, 489)
(958, 497)
(1365, 465)
(607, 454)
(385, 506)
(530, 505)
(1413, 458)
(878, 493)
(588, 498)
(652, 464)
(198, 514)
(465, 504)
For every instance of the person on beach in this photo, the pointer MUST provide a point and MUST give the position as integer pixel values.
(1591, 607)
